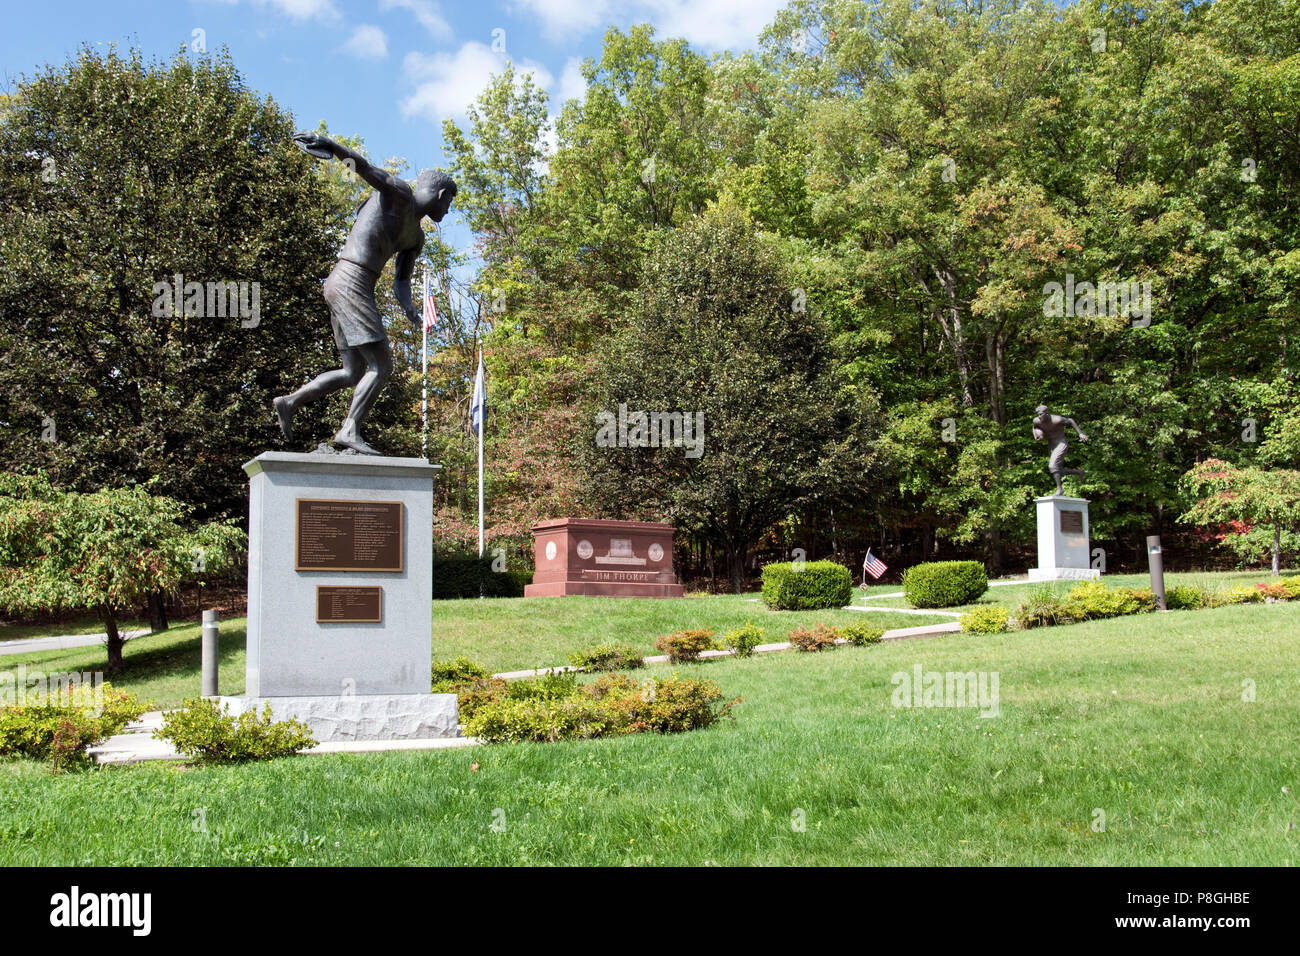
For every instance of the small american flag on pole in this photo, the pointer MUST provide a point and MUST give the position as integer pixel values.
(873, 566)
(430, 313)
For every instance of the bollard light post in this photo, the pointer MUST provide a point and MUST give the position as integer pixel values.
(211, 653)
(1156, 560)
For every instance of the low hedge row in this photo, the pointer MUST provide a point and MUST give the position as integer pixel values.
(455, 576)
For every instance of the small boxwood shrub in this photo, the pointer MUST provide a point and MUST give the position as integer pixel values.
(210, 735)
(57, 727)
(810, 586)
(686, 646)
(817, 638)
(861, 635)
(944, 583)
(607, 657)
(461, 670)
(743, 640)
(986, 619)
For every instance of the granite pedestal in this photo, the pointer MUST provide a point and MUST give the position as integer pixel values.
(340, 599)
(1064, 551)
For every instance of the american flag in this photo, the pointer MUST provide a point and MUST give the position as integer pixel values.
(873, 565)
(430, 313)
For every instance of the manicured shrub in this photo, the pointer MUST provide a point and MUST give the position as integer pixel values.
(1272, 591)
(607, 657)
(861, 635)
(469, 576)
(607, 684)
(58, 728)
(669, 706)
(986, 619)
(210, 735)
(461, 670)
(610, 706)
(1243, 594)
(472, 695)
(553, 685)
(1182, 597)
(513, 720)
(743, 640)
(1292, 586)
(817, 638)
(944, 583)
(810, 586)
(685, 646)
(1092, 600)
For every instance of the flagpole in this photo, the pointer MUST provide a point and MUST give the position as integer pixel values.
(482, 414)
(424, 371)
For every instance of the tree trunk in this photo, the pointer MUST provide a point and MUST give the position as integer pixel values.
(114, 640)
(736, 567)
(157, 612)
(1277, 550)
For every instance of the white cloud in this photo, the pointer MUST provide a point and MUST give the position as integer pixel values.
(303, 9)
(447, 83)
(426, 12)
(709, 24)
(573, 85)
(367, 43)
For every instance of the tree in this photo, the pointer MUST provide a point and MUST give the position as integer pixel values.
(106, 550)
(719, 340)
(1244, 498)
(116, 176)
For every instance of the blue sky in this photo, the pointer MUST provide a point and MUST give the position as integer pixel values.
(389, 71)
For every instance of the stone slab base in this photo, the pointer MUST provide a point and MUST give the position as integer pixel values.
(603, 589)
(1064, 574)
(363, 716)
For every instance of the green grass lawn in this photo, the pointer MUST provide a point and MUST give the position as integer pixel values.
(1142, 718)
(502, 634)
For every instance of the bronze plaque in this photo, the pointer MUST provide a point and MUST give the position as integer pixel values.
(348, 535)
(1071, 522)
(349, 605)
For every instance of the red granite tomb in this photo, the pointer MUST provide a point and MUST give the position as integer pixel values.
(603, 559)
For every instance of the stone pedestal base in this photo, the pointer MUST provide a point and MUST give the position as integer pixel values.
(1064, 552)
(363, 717)
(604, 589)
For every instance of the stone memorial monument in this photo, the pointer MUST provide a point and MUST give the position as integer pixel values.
(603, 559)
(1064, 549)
(340, 562)
(340, 606)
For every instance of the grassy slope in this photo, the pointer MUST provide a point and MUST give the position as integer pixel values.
(1141, 717)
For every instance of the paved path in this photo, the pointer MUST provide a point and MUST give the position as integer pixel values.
(29, 645)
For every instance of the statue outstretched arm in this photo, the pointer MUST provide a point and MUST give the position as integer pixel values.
(379, 178)
(403, 268)
(1082, 436)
